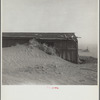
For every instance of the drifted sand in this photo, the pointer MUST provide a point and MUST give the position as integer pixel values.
(23, 65)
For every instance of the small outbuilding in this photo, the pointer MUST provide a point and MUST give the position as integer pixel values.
(65, 44)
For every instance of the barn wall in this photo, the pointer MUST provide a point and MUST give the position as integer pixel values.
(7, 42)
(67, 50)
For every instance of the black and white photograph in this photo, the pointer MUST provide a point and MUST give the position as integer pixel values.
(50, 42)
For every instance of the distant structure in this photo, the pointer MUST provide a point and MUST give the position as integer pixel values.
(66, 44)
(86, 50)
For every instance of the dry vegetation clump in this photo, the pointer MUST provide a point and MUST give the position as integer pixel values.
(44, 47)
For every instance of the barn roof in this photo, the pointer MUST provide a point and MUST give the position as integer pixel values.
(44, 35)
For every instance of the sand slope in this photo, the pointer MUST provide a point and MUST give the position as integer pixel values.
(23, 65)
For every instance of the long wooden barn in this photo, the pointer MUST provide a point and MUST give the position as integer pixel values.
(66, 44)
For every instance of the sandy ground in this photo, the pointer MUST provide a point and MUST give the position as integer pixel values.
(25, 66)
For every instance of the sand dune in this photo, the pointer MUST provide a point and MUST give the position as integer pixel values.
(23, 65)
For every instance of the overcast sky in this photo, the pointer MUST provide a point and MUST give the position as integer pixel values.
(79, 16)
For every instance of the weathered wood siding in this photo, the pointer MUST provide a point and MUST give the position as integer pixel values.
(7, 42)
(67, 50)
